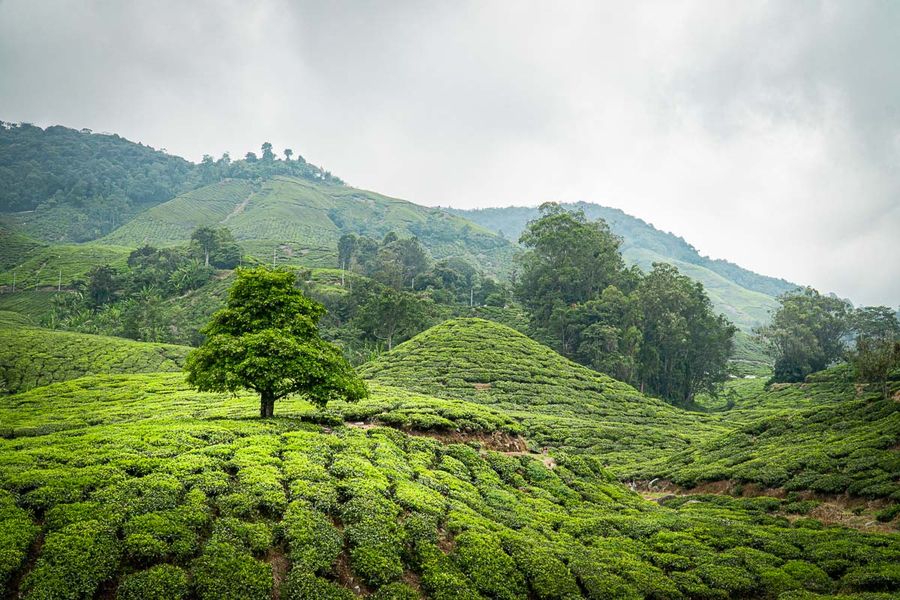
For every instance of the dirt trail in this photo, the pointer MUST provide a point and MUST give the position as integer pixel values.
(504, 443)
(237, 209)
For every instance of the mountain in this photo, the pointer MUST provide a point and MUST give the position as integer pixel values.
(62, 184)
(743, 296)
(302, 221)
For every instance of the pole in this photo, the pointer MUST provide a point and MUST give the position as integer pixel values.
(471, 296)
(274, 250)
(59, 282)
(14, 281)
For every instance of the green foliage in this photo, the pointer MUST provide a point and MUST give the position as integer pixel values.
(225, 572)
(161, 582)
(657, 331)
(74, 562)
(266, 340)
(806, 334)
(32, 357)
(81, 184)
(313, 540)
(746, 298)
(303, 585)
(16, 535)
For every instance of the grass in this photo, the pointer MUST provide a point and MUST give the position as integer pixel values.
(142, 488)
(32, 357)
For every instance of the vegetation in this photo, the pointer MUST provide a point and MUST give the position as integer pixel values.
(810, 332)
(266, 339)
(746, 298)
(172, 493)
(626, 458)
(297, 221)
(657, 332)
(31, 357)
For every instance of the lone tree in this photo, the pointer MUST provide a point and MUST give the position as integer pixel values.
(266, 339)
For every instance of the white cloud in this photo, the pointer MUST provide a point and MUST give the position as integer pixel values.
(763, 133)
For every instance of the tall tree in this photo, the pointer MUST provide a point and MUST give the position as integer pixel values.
(391, 315)
(686, 346)
(568, 261)
(807, 333)
(266, 339)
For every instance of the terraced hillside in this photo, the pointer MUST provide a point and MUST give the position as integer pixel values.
(302, 221)
(134, 486)
(826, 437)
(560, 403)
(43, 267)
(743, 296)
(32, 356)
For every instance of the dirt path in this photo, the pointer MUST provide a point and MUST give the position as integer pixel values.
(237, 209)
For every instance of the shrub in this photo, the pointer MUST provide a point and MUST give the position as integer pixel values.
(224, 572)
(303, 585)
(313, 541)
(162, 582)
(16, 534)
(74, 562)
(548, 576)
(395, 591)
(494, 573)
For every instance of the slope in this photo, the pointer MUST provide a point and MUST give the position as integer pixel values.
(187, 495)
(560, 404)
(301, 221)
(744, 296)
(32, 356)
(62, 184)
(825, 437)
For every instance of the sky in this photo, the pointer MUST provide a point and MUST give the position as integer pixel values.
(765, 133)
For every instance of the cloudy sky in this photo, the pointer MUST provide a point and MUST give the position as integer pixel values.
(766, 133)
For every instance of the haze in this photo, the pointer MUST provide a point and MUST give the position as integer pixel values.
(764, 133)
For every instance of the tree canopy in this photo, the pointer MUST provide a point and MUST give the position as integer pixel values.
(656, 331)
(266, 340)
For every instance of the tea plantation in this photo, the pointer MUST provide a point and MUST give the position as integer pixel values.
(134, 486)
(32, 356)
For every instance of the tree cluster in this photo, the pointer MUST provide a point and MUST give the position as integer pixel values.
(132, 302)
(810, 332)
(656, 331)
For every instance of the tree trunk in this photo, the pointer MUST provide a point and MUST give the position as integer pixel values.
(206, 256)
(266, 405)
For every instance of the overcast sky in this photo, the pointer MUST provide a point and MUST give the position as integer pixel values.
(766, 133)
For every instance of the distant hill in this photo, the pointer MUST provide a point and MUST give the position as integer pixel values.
(66, 185)
(301, 221)
(71, 185)
(743, 296)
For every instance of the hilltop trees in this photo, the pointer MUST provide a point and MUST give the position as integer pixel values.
(655, 331)
(266, 339)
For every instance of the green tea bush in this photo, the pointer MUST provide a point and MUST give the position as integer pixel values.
(482, 558)
(16, 534)
(303, 585)
(74, 562)
(313, 540)
(162, 582)
(224, 572)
